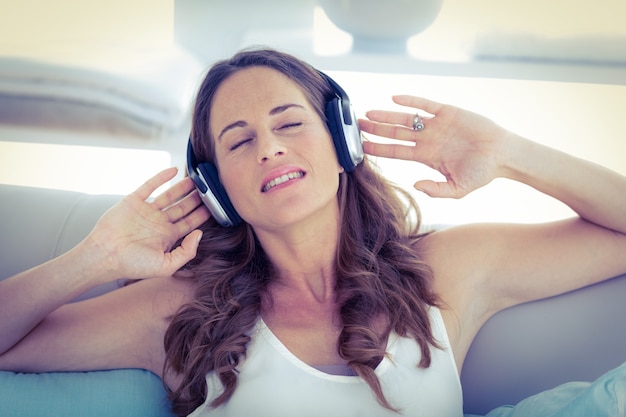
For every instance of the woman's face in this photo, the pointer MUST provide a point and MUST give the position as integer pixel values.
(274, 154)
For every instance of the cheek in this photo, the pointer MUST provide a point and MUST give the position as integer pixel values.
(330, 158)
(333, 164)
(232, 179)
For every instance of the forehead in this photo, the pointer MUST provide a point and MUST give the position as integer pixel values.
(255, 88)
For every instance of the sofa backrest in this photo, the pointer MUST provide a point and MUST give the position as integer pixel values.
(38, 224)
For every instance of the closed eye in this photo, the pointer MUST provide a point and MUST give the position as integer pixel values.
(291, 125)
(239, 143)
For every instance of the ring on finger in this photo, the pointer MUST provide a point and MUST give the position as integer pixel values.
(418, 123)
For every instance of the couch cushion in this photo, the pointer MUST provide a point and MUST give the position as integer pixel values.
(124, 392)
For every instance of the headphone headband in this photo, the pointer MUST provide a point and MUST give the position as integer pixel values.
(346, 108)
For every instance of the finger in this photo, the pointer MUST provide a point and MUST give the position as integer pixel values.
(174, 193)
(422, 103)
(391, 117)
(183, 206)
(385, 150)
(393, 131)
(150, 186)
(193, 220)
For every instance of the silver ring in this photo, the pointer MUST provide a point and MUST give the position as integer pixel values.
(418, 124)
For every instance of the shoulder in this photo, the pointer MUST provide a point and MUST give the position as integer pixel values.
(144, 310)
(458, 257)
(490, 266)
(161, 297)
(481, 269)
(463, 259)
(157, 300)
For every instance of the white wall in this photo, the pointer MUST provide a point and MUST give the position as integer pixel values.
(41, 23)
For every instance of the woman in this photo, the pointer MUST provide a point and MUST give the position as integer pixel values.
(325, 300)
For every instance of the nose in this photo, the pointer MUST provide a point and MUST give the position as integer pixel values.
(269, 147)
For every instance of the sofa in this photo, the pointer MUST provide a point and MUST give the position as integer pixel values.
(519, 352)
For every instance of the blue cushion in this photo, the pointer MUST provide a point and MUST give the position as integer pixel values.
(123, 392)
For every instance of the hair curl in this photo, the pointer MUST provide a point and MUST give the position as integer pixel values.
(377, 271)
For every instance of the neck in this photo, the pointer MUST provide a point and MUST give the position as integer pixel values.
(304, 257)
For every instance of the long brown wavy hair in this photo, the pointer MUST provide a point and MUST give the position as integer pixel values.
(377, 270)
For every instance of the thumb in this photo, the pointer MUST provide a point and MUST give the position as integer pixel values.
(186, 251)
(435, 189)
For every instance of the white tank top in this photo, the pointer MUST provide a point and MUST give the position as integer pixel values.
(275, 383)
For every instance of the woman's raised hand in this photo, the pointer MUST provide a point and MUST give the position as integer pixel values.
(137, 236)
(468, 149)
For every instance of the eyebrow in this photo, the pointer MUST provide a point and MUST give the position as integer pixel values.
(242, 123)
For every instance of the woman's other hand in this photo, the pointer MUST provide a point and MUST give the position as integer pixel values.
(466, 148)
(138, 235)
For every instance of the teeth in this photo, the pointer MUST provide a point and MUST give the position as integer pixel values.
(283, 178)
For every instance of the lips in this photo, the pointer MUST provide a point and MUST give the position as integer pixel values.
(281, 179)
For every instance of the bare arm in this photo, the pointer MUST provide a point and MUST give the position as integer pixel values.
(134, 239)
(120, 329)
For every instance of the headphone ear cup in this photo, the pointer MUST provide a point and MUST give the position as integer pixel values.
(216, 198)
(340, 133)
(211, 190)
(346, 137)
